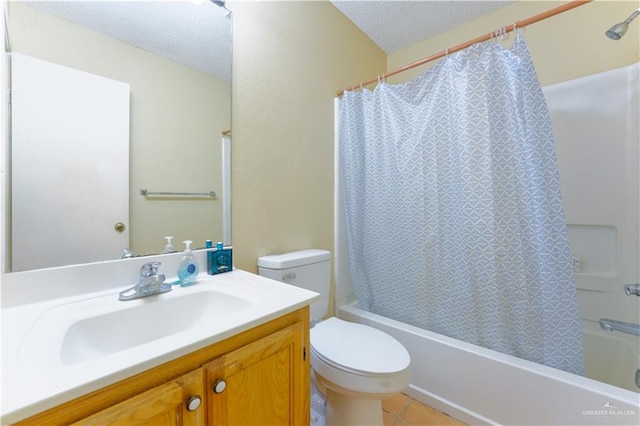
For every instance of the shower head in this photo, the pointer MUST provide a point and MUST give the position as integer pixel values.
(617, 31)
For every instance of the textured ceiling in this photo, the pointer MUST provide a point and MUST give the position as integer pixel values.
(195, 35)
(198, 36)
(396, 24)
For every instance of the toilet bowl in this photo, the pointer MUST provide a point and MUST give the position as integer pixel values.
(355, 365)
(359, 366)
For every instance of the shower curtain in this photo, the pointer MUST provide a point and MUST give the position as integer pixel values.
(455, 221)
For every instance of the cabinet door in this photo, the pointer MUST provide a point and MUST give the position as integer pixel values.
(166, 404)
(263, 383)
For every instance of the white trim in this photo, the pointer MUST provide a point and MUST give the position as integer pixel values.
(226, 190)
(5, 181)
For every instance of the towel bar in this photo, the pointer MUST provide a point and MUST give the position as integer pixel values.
(210, 194)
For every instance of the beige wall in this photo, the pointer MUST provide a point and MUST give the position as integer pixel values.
(177, 116)
(289, 58)
(563, 47)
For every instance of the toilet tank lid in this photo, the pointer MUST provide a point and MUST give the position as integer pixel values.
(293, 259)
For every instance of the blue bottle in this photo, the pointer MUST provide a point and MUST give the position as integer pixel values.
(188, 269)
(219, 260)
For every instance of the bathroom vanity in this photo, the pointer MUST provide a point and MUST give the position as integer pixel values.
(240, 356)
(259, 376)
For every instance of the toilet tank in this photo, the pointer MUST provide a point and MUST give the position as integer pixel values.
(309, 269)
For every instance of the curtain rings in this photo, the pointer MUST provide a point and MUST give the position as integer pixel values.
(500, 34)
(520, 30)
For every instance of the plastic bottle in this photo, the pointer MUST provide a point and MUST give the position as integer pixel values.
(188, 269)
(219, 260)
(169, 247)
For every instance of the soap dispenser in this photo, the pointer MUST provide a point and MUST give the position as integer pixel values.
(188, 269)
(168, 248)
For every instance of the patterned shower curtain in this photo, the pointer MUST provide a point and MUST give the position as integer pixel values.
(455, 221)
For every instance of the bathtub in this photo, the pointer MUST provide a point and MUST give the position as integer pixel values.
(481, 386)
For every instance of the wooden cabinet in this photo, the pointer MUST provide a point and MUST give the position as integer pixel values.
(163, 405)
(259, 383)
(258, 377)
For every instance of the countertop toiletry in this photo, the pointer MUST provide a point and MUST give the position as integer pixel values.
(168, 248)
(188, 269)
(220, 259)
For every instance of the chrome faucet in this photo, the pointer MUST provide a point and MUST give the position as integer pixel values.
(631, 289)
(624, 327)
(150, 283)
(127, 253)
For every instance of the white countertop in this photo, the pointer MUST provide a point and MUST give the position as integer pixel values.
(36, 377)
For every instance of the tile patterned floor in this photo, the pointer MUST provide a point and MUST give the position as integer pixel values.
(402, 410)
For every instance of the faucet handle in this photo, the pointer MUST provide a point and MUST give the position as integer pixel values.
(149, 269)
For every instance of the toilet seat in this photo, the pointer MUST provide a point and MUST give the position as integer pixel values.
(358, 348)
(358, 358)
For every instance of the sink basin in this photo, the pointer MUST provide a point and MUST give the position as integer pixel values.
(91, 329)
(115, 331)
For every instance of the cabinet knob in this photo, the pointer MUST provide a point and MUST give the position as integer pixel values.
(219, 386)
(193, 403)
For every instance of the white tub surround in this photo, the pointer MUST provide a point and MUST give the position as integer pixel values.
(41, 367)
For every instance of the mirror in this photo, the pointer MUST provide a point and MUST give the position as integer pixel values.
(174, 59)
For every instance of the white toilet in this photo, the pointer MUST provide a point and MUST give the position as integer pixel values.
(358, 366)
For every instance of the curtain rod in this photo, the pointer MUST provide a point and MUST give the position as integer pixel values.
(520, 24)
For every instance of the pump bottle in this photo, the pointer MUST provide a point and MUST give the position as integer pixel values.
(188, 269)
